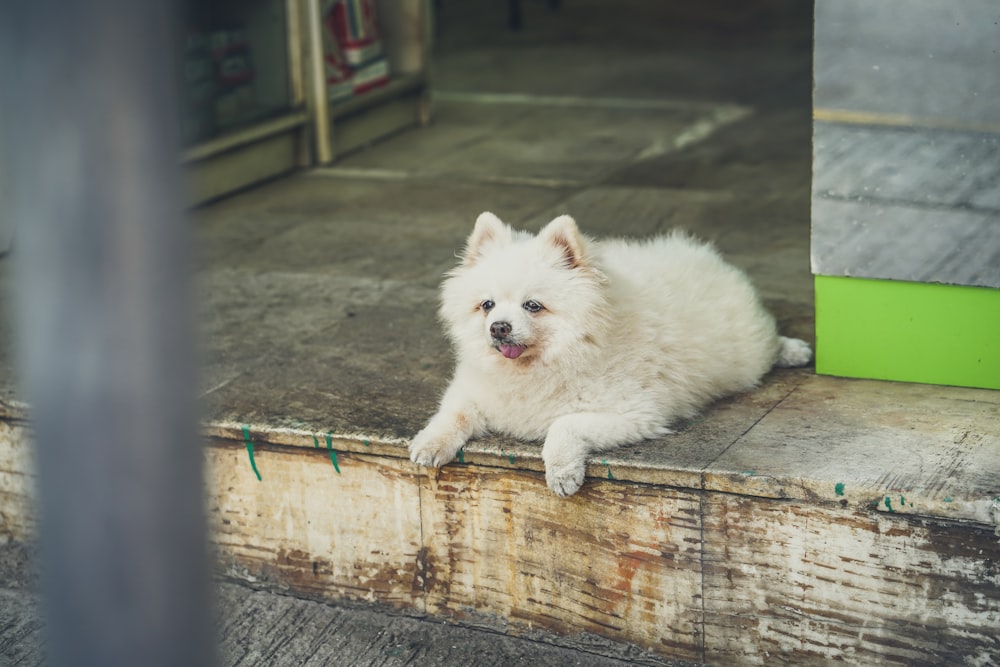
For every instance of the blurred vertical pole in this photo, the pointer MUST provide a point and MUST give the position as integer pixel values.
(87, 101)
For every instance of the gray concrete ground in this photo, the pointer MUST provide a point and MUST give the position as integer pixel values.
(319, 292)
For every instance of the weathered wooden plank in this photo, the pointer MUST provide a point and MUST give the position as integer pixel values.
(792, 583)
(354, 534)
(17, 484)
(620, 560)
(701, 575)
(256, 628)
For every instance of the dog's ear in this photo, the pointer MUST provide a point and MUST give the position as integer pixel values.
(489, 230)
(563, 234)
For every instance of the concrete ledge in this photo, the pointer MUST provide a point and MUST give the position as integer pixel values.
(839, 526)
(888, 447)
(740, 568)
(850, 521)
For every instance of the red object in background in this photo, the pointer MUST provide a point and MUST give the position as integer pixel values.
(353, 26)
(372, 75)
(356, 28)
(338, 74)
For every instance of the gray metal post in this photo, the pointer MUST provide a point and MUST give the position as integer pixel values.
(105, 327)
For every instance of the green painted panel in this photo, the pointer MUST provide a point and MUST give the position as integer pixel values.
(912, 332)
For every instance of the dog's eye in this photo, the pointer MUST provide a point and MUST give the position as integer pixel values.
(487, 305)
(532, 306)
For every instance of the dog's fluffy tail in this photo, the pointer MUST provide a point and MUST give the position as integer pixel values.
(793, 352)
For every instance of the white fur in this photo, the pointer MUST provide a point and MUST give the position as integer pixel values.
(632, 336)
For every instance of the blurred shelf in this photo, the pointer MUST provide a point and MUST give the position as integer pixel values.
(290, 71)
(240, 158)
(402, 103)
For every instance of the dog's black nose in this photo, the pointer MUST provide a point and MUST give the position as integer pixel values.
(500, 330)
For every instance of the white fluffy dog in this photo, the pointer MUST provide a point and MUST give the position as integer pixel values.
(592, 344)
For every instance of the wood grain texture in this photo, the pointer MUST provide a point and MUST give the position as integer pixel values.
(788, 583)
(619, 560)
(353, 535)
(255, 628)
(17, 483)
(697, 574)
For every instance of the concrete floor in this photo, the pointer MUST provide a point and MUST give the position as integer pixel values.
(318, 291)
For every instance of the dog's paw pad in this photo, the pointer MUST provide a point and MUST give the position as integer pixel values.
(427, 452)
(422, 457)
(565, 481)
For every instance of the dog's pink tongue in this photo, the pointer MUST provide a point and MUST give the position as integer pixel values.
(511, 351)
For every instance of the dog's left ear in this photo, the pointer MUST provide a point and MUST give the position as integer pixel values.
(563, 234)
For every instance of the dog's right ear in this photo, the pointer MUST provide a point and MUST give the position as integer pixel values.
(489, 230)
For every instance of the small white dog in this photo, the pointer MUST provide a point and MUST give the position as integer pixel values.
(590, 345)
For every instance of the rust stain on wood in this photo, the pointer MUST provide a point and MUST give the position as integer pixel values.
(701, 575)
(620, 560)
(790, 583)
(353, 535)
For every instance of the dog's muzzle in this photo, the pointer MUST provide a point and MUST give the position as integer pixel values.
(501, 331)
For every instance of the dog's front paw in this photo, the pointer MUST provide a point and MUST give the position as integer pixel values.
(565, 465)
(565, 480)
(564, 468)
(429, 449)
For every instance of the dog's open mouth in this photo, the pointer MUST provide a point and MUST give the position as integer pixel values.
(510, 350)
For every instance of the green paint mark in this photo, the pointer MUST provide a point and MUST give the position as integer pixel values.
(839, 489)
(749, 473)
(461, 456)
(366, 443)
(902, 501)
(888, 504)
(249, 444)
(510, 457)
(947, 499)
(315, 442)
(605, 463)
(333, 454)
